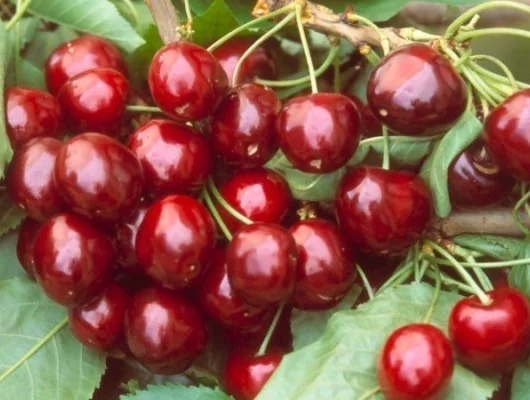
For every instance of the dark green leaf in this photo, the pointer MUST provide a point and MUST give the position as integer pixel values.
(5, 148)
(521, 383)
(499, 247)
(140, 60)
(145, 19)
(9, 265)
(177, 392)
(10, 215)
(214, 23)
(242, 9)
(30, 76)
(519, 276)
(44, 43)
(28, 28)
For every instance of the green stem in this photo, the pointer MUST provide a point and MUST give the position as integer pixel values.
(495, 264)
(524, 190)
(366, 283)
(370, 55)
(415, 259)
(305, 46)
(515, 213)
(400, 276)
(215, 214)
(17, 47)
(482, 277)
(133, 12)
(143, 109)
(386, 148)
(18, 15)
(189, 15)
(496, 77)
(231, 210)
(370, 393)
(423, 269)
(447, 281)
(436, 296)
(463, 36)
(504, 68)
(265, 344)
(385, 43)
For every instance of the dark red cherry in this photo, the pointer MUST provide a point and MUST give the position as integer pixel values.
(125, 238)
(175, 158)
(73, 259)
(100, 323)
(383, 211)
(99, 177)
(491, 338)
(370, 126)
(31, 113)
(415, 90)
(261, 264)
(175, 241)
(25, 244)
(95, 100)
(320, 132)
(243, 127)
(30, 181)
(416, 362)
(164, 330)
(326, 267)
(80, 55)
(186, 81)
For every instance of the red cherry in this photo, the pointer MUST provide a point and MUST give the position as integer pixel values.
(383, 211)
(319, 133)
(29, 179)
(243, 126)
(25, 244)
(125, 238)
(491, 339)
(416, 363)
(175, 241)
(186, 81)
(80, 55)
(99, 177)
(72, 259)
(370, 126)
(175, 158)
(164, 330)
(415, 90)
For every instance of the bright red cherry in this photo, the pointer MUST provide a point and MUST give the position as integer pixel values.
(29, 179)
(25, 244)
(80, 55)
(73, 259)
(99, 177)
(319, 133)
(125, 232)
(491, 338)
(415, 90)
(164, 330)
(186, 81)
(175, 241)
(242, 129)
(383, 211)
(416, 362)
(175, 158)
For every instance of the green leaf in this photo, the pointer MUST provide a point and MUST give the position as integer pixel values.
(28, 28)
(30, 76)
(342, 364)
(214, 23)
(44, 43)
(140, 60)
(5, 148)
(9, 266)
(521, 383)
(499, 247)
(10, 215)
(39, 357)
(177, 392)
(519, 276)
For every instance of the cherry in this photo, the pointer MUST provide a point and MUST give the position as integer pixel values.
(25, 244)
(98, 176)
(383, 211)
(125, 232)
(164, 330)
(370, 126)
(491, 338)
(175, 241)
(320, 132)
(416, 362)
(95, 100)
(243, 126)
(80, 55)
(325, 265)
(30, 181)
(72, 259)
(175, 158)
(31, 113)
(186, 81)
(415, 90)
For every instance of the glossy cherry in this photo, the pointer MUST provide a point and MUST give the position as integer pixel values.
(174, 157)
(383, 211)
(73, 259)
(415, 90)
(320, 132)
(25, 244)
(242, 129)
(80, 55)
(416, 362)
(186, 81)
(164, 330)
(99, 177)
(30, 181)
(491, 338)
(125, 232)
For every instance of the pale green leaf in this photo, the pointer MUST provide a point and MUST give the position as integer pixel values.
(38, 51)
(214, 23)
(519, 276)
(30, 76)
(9, 264)
(10, 215)
(5, 147)
(499, 247)
(521, 383)
(177, 392)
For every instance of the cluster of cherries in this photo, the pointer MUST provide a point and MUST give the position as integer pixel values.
(120, 229)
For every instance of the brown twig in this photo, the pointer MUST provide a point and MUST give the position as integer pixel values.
(166, 19)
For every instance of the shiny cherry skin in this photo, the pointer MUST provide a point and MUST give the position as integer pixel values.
(25, 244)
(30, 181)
(99, 177)
(164, 330)
(416, 362)
(80, 55)
(31, 113)
(100, 323)
(186, 81)
(175, 241)
(325, 265)
(320, 132)
(242, 129)
(383, 212)
(125, 232)
(95, 100)
(261, 264)
(73, 259)
(174, 157)
(491, 339)
(476, 181)
(415, 90)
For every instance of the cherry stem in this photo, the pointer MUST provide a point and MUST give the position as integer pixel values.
(189, 17)
(17, 47)
(366, 282)
(515, 213)
(231, 210)
(266, 340)
(143, 109)
(18, 14)
(415, 259)
(215, 214)
(486, 73)
(385, 43)
(481, 276)
(423, 268)
(436, 295)
(386, 148)
(305, 45)
(463, 36)
(369, 54)
(417, 35)
(133, 12)
(499, 64)
(448, 281)
(497, 264)
(370, 393)
(469, 256)
(400, 276)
